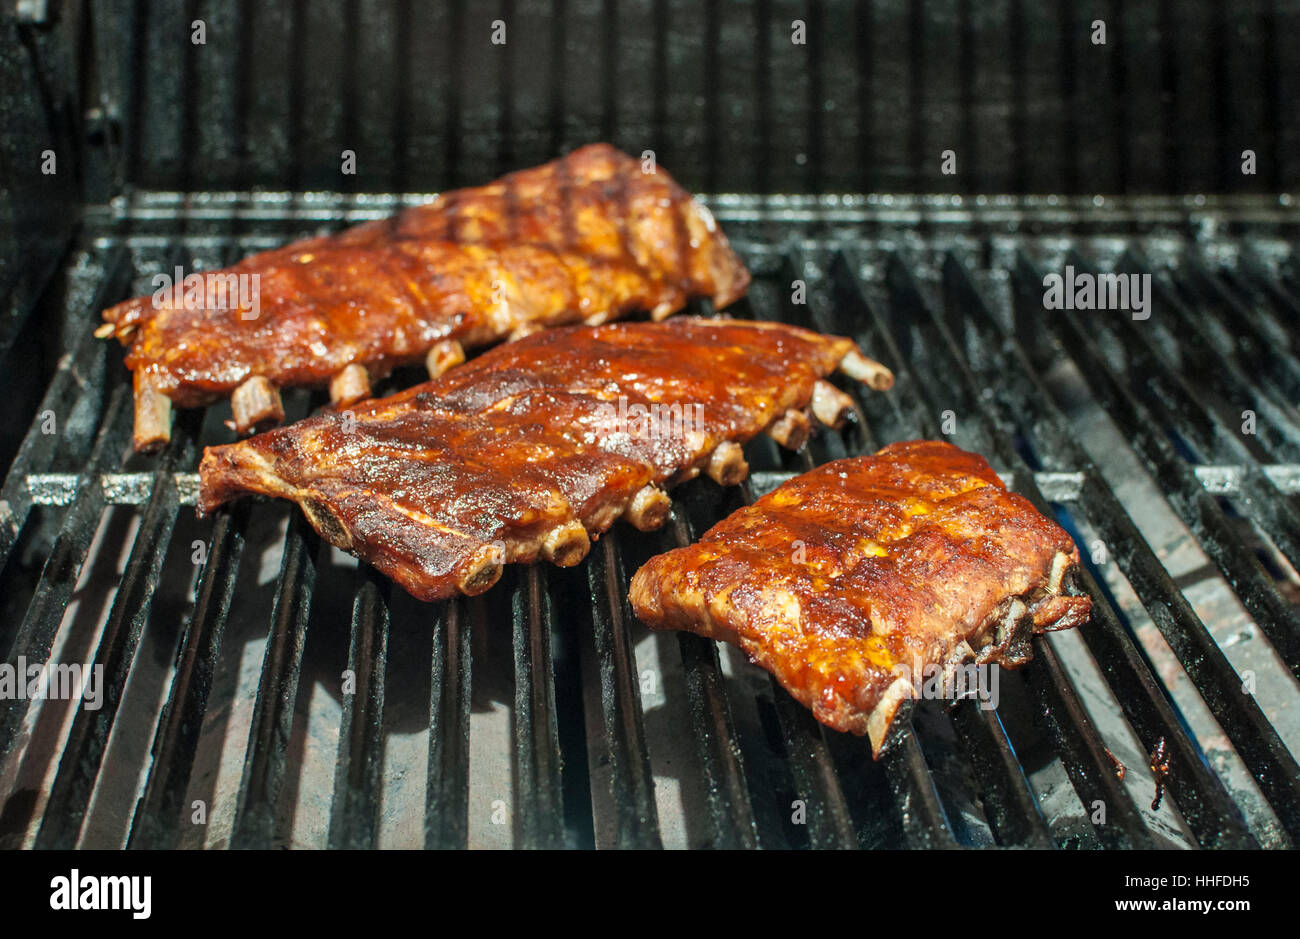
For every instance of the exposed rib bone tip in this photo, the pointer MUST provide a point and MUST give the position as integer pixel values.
(103, 332)
(791, 429)
(444, 355)
(350, 385)
(663, 310)
(324, 520)
(830, 405)
(1016, 609)
(648, 509)
(867, 370)
(256, 402)
(961, 653)
(878, 721)
(1060, 564)
(482, 570)
(727, 466)
(153, 418)
(566, 545)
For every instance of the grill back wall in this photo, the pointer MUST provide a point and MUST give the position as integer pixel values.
(717, 89)
(224, 641)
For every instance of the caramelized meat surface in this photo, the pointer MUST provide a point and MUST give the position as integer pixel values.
(532, 448)
(850, 581)
(586, 238)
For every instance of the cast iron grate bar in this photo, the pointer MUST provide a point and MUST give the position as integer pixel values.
(277, 691)
(1218, 683)
(830, 824)
(446, 811)
(1115, 819)
(158, 814)
(358, 775)
(1009, 804)
(925, 822)
(1206, 352)
(540, 805)
(730, 812)
(631, 782)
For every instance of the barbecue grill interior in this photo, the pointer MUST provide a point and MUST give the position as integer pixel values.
(263, 689)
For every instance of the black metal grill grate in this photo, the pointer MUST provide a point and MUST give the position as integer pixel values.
(946, 293)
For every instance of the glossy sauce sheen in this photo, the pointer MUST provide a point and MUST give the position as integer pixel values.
(519, 441)
(841, 575)
(586, 238)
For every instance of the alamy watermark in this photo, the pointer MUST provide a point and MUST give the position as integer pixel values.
(39, 681)
(210, 290)
(1080, 290)
(953, 682)
(77, 891)
(649, 421)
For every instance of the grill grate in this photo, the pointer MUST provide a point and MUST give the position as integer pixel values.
(613, 737)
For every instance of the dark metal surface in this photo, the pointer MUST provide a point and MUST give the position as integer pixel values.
(723, 91)
(358, 779)
(631, 781)
(268, 741)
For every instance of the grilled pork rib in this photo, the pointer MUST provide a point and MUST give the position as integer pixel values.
(537, 446)
(850, 581)
(586, 238)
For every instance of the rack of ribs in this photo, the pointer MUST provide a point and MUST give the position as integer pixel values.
(587, 238)
(538, 446)
(852, 582)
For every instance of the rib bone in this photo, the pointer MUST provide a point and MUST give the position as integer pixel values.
(648, 509)
(566, 545)
(350, 385)
(791, 429)
(482, 570)
(1015, 611)
(665, 309)
(830, 405)
(444, 355)
(867, 370)
(1060, 564)
(878, 721)
(324, 520)
(256, 402)
(153, 416)
(727, 466)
